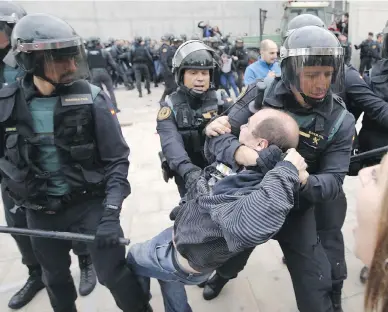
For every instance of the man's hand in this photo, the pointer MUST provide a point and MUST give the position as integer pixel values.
(303, 177)
(235, 58)
(108, 230)
(298, 161)
(245, 156)
(271, 74)
(218, 126)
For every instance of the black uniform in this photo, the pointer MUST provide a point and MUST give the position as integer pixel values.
(165, 55)
(123, 70)
(140, 58)
(241, 64)
(64, 159)
(181, 134)
(367, 52)
(98, 61)
(374, 129)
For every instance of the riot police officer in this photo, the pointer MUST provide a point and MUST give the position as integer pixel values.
(98, 61)
(15, 216)
(60, 164)
(184, 116)
(140, 57)
(305, 91)
(240, 56)
(165, 55)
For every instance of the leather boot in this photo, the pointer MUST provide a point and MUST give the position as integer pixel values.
(140, 94)
(148, 91)
(214, 286)
(33, 285)
(88, 278)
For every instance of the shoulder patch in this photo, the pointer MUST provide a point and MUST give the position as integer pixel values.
(164, 113)
(164, 50)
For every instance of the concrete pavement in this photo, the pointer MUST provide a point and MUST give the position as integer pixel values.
(264, 285)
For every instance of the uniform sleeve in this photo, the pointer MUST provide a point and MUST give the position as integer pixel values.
(334, 165)
(364, 98)
(253, 219)
(113, 150)
(172, 144)
(249, 76)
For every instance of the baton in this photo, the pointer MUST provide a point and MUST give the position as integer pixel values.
(56, 235)
(368, 154)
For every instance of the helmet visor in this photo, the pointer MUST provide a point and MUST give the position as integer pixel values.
(313, 71)
(59, 62)
(65, 65)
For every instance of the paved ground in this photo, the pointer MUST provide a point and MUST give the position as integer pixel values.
(263, 286)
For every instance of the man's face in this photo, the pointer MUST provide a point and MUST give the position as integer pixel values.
(246, 133)
(60, 70)
(370, 37)
(197, 79)
(345, 19)
(315, 81)
(239, 44)
(380, 39)
(270, 55)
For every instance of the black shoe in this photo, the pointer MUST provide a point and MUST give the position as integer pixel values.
(213, 287)
(148, 91)
(88, 278)
(336, 301)
(364, 274)
(33, 285)
(156, 85)
(202, 285)
(140, 95)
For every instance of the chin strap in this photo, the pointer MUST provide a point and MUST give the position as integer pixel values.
(313, 102)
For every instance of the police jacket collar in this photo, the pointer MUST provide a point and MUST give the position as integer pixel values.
(284, 98)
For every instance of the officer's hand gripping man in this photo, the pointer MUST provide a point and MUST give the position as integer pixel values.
(182, 119)
(59, 163)
(312, 70)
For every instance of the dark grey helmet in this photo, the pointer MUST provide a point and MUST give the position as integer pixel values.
(303, 20)
(193, 54)
(10, 14)
(42, 39)
(314, 53)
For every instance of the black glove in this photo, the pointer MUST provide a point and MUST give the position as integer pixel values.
(269, 157)
(192, 177)
(109, 230)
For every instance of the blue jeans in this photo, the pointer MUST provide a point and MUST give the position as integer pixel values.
(229, 77)
(156, 258)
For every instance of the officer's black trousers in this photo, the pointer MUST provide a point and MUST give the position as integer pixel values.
(369, 140)
(307, 262)
(16, 217)
(240, 78)
(141, 69)
(330, 217)
(365, 64)
(170, 85)
(109, 263)
(100, 76)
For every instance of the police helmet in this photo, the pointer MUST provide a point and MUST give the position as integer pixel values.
(93, 42)
(195, 37)
(138, 39)
(239, 42)
(10, 14)
(48, 47)
(384, 52)
(303, 20)
(306, 49)
(193, 54)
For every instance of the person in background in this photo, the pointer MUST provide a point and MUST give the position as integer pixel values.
(371, 233)
(266, 65)
(368, 47)
(227, 74)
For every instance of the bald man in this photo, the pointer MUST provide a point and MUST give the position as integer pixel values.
(266, 65)
(225, 212)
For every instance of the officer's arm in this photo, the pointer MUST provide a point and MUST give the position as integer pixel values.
(365, 99)
(334, 164)
(224, 147)
(113, 150)
(172, 143)
(149, 56)
(110, 60)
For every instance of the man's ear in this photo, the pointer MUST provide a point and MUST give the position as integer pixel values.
(262, 145)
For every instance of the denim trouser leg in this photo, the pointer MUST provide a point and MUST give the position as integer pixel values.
(154, 258)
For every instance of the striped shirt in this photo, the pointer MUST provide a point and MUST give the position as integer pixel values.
(244, 210)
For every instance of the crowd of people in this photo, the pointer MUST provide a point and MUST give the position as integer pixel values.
(269, 166)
